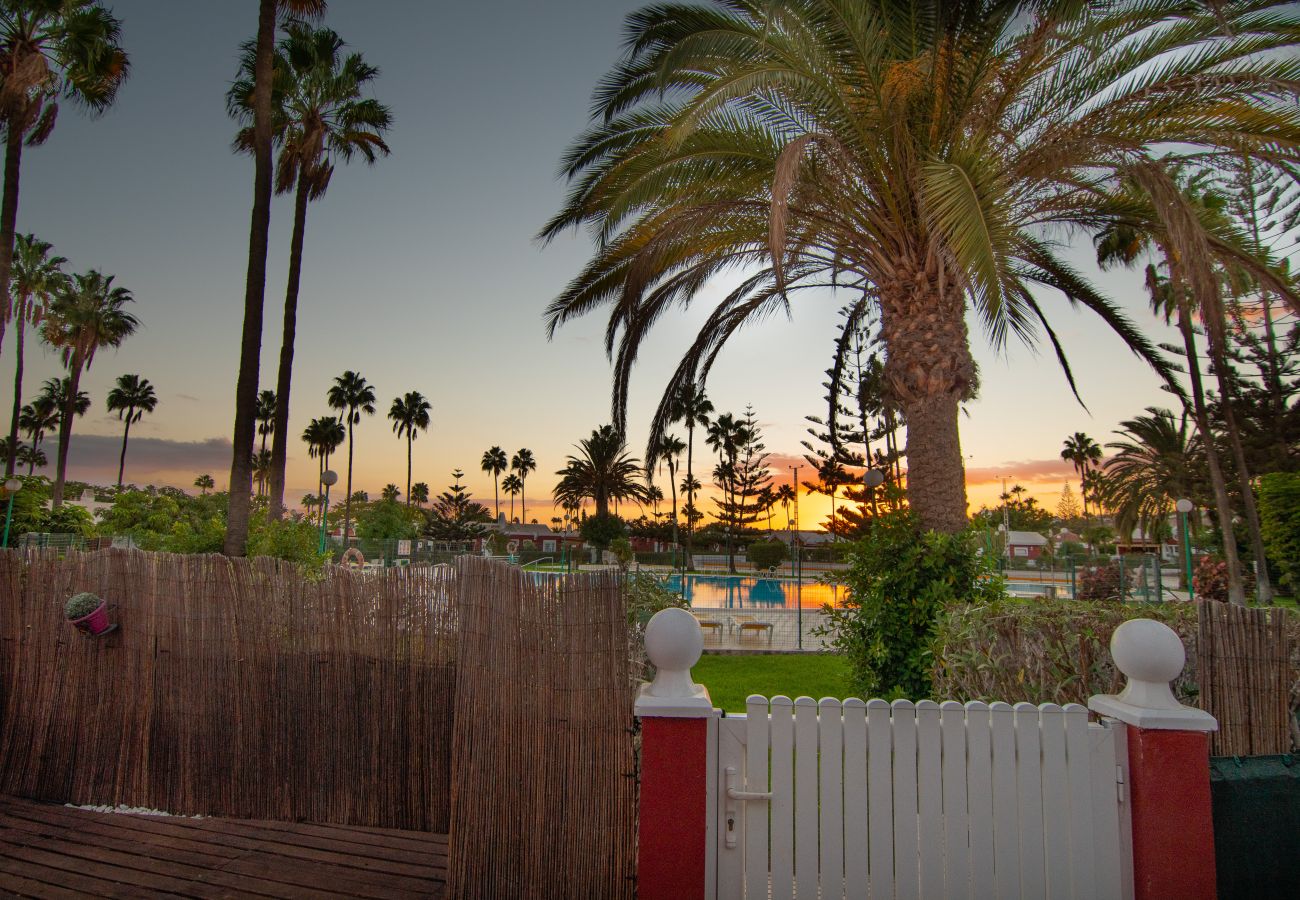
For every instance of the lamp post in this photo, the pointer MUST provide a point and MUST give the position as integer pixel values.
(873, 479)
(1184, 506)
(328, 477)
(12, 487)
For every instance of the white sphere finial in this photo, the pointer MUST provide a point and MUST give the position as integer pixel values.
(1150, 655)
(674, 642)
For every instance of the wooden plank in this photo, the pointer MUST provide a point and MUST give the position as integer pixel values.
(782, 798)
(929, 780)
(830, 741)
(956, 818)
(1029, 798)
(907, 880)
(17, 884)
(979, 782)
(1083, 865)
(880, 793)
(757, 750)
(856, 823)
(1107, 813)
(1006, 812)
(805, 797)
(1056, 801)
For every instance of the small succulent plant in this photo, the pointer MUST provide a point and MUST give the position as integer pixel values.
(81, 605)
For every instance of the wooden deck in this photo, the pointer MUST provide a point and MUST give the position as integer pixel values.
(56, 851)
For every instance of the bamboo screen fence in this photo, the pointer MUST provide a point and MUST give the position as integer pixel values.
(232, 687)
(1249, 678)
(544, 799)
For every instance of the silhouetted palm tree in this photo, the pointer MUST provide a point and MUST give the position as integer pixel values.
(495, 462)
(513, 485)
(130, 399)
(603, 471)
(204, 483)
(419, 493)
(410, 415)
(390, 493)
(352, 396)
(265, 415)
(1083, 453)
(521, 464)
(36, 277)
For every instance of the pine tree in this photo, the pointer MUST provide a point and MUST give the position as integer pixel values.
(455, 515)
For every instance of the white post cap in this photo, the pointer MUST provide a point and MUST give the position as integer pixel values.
(674, 642)
(1150, 655)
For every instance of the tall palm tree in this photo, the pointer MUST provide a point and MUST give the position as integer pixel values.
(32, 458)
(601, 470)
(265, 416)
(319, 118)
(85, 315)
(261, 470)
(419, 493)
(513, 485)
(352, 396)
(1083, 453)
(322, 437)
(691, 407)
(914, 153)
(521, 464)
(410, 415)
(494, 463)
(131, 398)
(49, 50)
(43, 413)
(35, 277)
(390, 493)
(670, 451)
(250, 345)
(785, 496)
(1157, 462)
(204, 483)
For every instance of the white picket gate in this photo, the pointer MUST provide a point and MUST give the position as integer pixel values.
(852, 799)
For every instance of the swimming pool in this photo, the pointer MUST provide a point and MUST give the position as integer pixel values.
(751, 592)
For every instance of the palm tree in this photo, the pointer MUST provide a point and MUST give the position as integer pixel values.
(204, 483)
(85, 315)
(691, 407)
(785, 496)
(1083, 453)
(322, 437)
(48, 50)
(36, 276)
(391, 492)
(410, 415)
(319, 118)
(130, 399)
(670, 450)
(601, 470)
(419, 493)
(1156, 464)
(44, 412)
(913, 153)
(250, 346)
(265, 415)
(521, 464)
(351, 395)
(512, 485)
(261, 470)
(32, 458)
(494, 462)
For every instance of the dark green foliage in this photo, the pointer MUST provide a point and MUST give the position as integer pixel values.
(456, 516)
(297, 541)
(81, 605)
(602, 530)
(900, 581)
(168, 520)
(387, 520)
(766, 554)
(1279, 513)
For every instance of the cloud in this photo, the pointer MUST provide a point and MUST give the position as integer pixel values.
(189, 397)
(94, 458)
(1031, 470)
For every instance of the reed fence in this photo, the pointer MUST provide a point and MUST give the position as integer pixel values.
(232, 687)
(544, 799)
(1249, 678)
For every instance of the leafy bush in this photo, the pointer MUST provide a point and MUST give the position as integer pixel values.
(388, 520)
(1210, 579)
(295, 541)
(766, 554)
(168, 520)
(1104, 582)
(600, 531)
(644, 595)
(1279, 519)
(900, 580)
(622, 550)
(81, 605)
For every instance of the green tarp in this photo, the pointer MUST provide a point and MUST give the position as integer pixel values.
(1257, 826)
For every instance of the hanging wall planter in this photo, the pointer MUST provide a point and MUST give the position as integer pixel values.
(88, 613)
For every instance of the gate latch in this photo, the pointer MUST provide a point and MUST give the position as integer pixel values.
(735, 795)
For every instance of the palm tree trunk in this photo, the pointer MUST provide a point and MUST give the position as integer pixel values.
(523, 499)
(126, 434)
(9, 217)
(512, 507)
(408, 467)
(672, 478)
(936, 485)
(688, 562)
(65, 430)
(1222, 504)
(496, 494)
(21, 319)
(284, 378)
(241, 469)
(347, 503)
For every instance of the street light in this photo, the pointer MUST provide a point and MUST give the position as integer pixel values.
(873, 479)
(1184, 506)
(12, 487)
(327, 478)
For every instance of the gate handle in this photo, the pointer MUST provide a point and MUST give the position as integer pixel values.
(734, 795)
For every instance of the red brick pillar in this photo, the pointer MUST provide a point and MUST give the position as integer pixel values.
(676, 729)
(1168, 766)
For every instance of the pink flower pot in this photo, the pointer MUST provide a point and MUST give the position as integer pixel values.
(94, 623)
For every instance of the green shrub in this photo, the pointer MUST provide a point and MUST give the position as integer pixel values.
(1279, 519)
(81, 605)
(297, 542)
(622, 550)
(900, 580)
(601, 531)
(643, 596)
(766, 554)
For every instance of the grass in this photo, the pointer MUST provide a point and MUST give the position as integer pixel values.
(732, 678)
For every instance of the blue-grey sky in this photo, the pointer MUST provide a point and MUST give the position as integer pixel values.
(421, 272)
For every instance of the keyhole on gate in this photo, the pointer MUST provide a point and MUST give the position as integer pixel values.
(731, 824)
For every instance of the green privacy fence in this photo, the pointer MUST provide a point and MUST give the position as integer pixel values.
(1256, 826)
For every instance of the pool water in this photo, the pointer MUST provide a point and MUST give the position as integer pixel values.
(733, 592)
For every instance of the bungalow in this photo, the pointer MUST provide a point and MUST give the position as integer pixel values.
(519, 534)
(1025, 544)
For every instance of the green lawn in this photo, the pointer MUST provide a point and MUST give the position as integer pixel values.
(732, 678)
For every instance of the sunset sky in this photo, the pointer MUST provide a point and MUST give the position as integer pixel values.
(422, 273)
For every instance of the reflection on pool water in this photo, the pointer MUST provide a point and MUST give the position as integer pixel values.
(731, 592)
